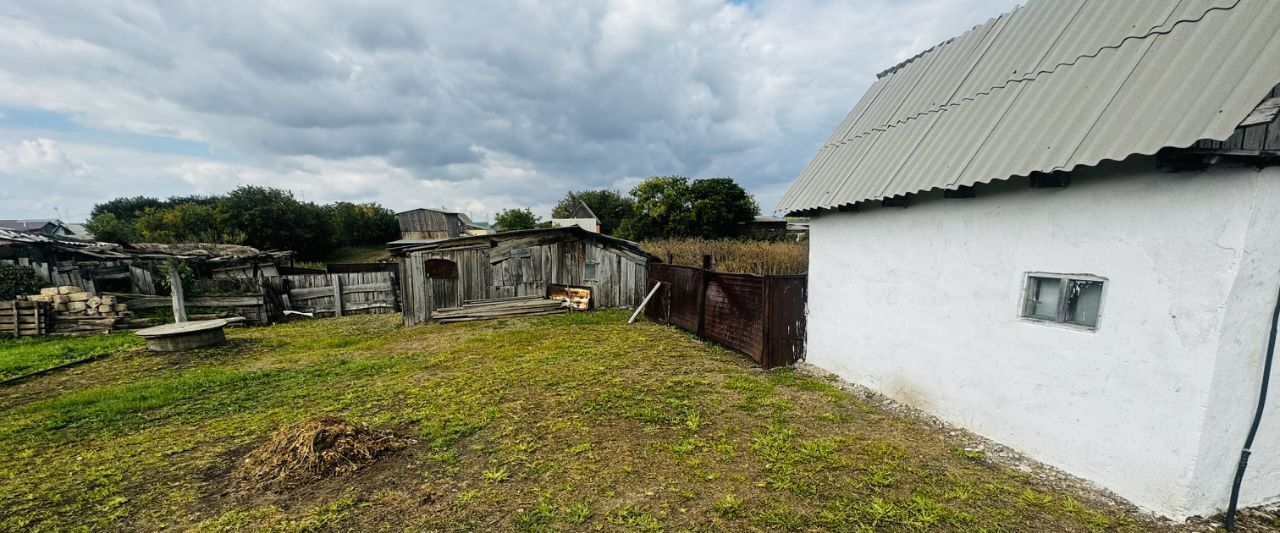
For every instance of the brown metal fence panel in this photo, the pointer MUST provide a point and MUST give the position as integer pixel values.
(658, 306)
(684, 297)
(761, 316)
(732, 312)
(785, 298)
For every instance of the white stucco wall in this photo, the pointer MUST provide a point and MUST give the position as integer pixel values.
(922, 304)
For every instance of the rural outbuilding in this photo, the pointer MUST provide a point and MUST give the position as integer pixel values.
(423, 225)
(1062, 231)
(448, 273)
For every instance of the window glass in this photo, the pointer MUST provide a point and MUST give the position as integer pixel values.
(590, 271)
(1042, 297)
(1083, 299)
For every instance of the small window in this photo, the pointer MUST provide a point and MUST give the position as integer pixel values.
(589, 273)
(1064, 299)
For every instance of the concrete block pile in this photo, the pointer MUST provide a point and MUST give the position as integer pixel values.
(71, 301)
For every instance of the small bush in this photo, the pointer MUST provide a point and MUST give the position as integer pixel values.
(15, 280)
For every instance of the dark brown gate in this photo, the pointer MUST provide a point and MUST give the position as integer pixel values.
(760, 316)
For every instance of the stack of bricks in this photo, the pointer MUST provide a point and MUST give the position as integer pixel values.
(70, 301)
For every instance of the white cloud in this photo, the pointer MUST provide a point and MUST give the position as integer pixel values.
(475, 105)
(37, 158)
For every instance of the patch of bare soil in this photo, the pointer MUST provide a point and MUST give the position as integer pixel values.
(312, 450)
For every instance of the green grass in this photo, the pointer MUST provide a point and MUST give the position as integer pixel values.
(30, 354)
(371, 253)
(567, 422)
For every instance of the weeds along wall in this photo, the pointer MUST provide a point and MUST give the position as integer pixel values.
(738, 256)
(924, 305)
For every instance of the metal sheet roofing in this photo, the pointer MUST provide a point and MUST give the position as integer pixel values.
(1052, 85)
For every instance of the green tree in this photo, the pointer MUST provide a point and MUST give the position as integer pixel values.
(611, 207)
(662, 209)
(272, 219)
(186, 222)
(355, 224)
(107, 227)
(516, 219)
(125, 209)
(721, 208)
(673, 206)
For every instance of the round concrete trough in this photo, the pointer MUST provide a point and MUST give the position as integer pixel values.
(184, 336)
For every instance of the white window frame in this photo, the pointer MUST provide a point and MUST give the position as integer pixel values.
(1024, 303)
(595, 275)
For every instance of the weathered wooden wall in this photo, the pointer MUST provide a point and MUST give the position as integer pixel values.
(262, 300)
(428, 224)
(87, 275)
(358, 293)
(522, 268)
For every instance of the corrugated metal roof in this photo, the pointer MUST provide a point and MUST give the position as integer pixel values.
(1050, 86)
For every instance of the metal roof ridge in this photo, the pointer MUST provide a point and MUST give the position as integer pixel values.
(1155, 31)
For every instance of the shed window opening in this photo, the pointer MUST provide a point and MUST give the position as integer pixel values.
(589, 271)
(1063, 299)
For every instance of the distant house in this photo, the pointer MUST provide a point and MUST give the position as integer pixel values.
(767, 224)
(582, 217)
(1059, 230)
(516, 264)
(436, 224)
(47, 226)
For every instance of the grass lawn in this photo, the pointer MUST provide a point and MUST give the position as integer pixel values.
(567, 422)
(31, 354)
(371, 253)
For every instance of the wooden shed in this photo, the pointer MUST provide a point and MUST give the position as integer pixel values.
(519, 263)
(433, 224)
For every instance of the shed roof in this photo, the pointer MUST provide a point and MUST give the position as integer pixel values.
(562, 232)
(32, 224)
(211, 253)
(1049, 86)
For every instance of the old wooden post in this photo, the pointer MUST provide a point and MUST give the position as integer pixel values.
(175, 289)
(337, 294)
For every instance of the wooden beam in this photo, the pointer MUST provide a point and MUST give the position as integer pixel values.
(337, 294)
(175, 290)
(640, 308)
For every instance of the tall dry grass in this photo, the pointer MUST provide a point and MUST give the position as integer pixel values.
(751, 257)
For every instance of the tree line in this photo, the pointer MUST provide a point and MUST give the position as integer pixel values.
(659, 207)
(273, 219)
(262, 217)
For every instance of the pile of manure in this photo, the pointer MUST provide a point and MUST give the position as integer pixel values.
(314, 449)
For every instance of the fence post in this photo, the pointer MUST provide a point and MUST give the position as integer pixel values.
(766, 359)
(175, 291)
(336, 279)
(702, 294)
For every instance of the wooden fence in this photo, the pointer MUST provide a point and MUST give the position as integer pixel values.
(342, 294)
(264, 300)
(760, 316)
(19, 318)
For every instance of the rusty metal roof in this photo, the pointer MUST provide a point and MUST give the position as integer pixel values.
(1049, 86)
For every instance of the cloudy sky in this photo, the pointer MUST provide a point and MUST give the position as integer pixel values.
(475, 105)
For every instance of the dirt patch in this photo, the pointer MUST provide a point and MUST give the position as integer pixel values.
(313, 450)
